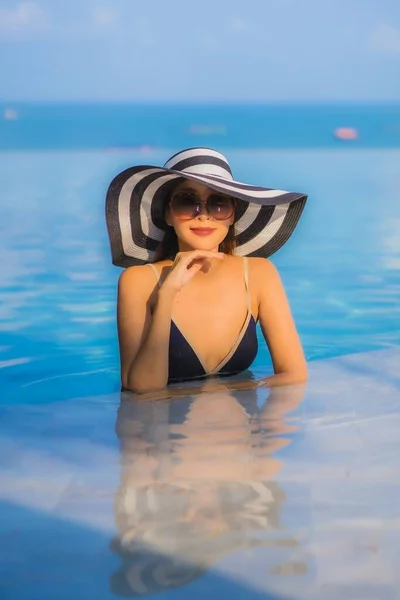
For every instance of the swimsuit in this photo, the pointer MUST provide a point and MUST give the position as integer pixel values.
(184, 364)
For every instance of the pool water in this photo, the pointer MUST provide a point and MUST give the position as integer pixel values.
(289, 495)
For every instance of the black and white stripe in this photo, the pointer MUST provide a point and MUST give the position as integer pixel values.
(265, 217)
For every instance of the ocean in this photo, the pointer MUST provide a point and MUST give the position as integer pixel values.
(157, 126)
(58, 290)
(288, 494)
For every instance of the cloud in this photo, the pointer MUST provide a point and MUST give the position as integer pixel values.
(385, 39)
(142, 32)
(349, 32)
(28, 21)
(238, 24)
(26, 16)
(210, 43)
(105, 17)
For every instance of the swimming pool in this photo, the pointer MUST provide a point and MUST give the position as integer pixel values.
(318, 514)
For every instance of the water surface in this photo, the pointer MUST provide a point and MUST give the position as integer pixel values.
(291, 495)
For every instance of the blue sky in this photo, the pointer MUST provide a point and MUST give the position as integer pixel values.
(272, 50)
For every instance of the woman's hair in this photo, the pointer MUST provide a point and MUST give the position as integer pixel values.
(169, 247)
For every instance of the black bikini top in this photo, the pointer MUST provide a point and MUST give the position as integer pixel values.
(185, 363)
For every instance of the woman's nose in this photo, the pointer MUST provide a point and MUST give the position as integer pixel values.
(203, 209)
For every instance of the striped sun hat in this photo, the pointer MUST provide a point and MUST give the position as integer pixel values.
(264, 218)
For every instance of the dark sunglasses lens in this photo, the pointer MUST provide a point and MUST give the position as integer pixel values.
(220, 207)
(185, 206)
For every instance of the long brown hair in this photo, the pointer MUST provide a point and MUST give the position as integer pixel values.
(168, 248)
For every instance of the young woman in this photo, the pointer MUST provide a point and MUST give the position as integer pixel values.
(195, 243)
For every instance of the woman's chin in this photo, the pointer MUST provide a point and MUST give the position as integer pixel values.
(198, 242)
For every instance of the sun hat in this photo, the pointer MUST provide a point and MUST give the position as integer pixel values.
(264, 218)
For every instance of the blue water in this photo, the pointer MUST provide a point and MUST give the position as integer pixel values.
(95, 126)
(340, 268)
(73, 456)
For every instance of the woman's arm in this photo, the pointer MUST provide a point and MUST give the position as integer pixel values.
(143, 337)
(278, 326)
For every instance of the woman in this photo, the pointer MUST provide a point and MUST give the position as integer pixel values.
(195, 243)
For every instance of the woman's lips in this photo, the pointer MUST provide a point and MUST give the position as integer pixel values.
(202, 231)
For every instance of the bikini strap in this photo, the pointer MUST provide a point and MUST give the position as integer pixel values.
(156, 273)
(246, 282)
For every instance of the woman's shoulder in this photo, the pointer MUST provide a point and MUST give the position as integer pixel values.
(266, 283)
(263, 275)
(144, 277)
(261, 266)
(257, 267)
(134, 272)
(140, 276)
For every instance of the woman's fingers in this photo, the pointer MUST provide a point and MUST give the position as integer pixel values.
(195, 267)
(186, 265)
(185, 258)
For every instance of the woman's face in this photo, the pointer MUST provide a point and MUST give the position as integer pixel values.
(201, 230)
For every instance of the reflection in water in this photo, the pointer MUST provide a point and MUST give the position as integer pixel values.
(197, 483)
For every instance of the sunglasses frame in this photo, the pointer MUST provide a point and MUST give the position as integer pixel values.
(199, 204)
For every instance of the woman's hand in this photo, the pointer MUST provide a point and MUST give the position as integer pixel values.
(186, 265)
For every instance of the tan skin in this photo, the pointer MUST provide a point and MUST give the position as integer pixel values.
(203, 291)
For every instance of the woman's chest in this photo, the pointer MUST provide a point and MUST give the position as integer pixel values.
(211, 310)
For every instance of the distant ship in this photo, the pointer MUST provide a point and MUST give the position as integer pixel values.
(10, 114)
(346, 133)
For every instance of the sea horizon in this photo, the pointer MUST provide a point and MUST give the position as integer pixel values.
(156, 125)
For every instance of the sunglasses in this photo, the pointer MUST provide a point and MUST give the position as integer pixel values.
(187, 205)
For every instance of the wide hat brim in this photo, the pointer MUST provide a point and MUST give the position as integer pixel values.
(265, 218)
